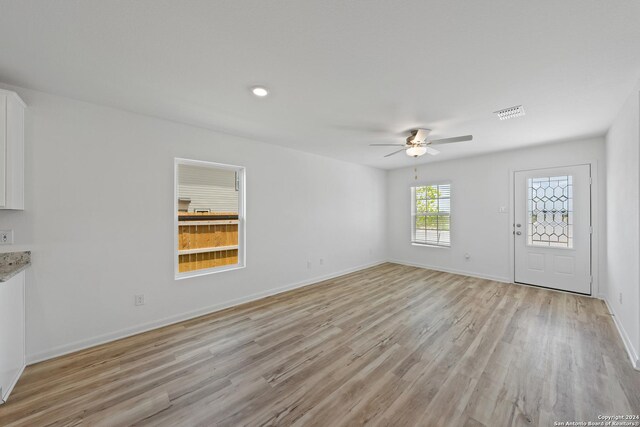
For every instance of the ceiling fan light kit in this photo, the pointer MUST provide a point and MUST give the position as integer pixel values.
(418, 145)
(416, 151)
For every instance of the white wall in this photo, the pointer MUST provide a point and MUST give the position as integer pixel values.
(480, 186)
(99, 221)
(623, 221)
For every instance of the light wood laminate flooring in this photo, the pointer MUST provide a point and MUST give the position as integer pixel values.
(387, 346)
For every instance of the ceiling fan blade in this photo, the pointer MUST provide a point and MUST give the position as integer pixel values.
(454, 139)
(432, 151)
(421, 136)
(395, 152)
(387, 145)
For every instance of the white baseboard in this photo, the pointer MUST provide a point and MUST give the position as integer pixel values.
(452, 271)
(633, 354)
(5, 396)
(145, 327)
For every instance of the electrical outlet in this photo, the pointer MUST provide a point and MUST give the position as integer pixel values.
(321, 261)
(138, 300)
(6, 237)
(620, 297)
(308, 264)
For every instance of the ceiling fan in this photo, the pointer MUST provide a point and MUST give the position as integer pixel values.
(417, 143)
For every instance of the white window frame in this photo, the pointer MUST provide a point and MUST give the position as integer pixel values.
(414, 214)
(240, 170)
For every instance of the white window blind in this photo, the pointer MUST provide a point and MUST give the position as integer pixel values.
(431, 215)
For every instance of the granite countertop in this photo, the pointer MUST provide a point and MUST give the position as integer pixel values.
(12, 263)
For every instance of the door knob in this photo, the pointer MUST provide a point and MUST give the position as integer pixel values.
(518, 225)
(518, 233)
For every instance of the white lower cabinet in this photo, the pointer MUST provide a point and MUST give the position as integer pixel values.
(12, 333)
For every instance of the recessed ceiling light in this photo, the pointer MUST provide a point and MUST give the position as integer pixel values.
(260, 91)
(510, 113)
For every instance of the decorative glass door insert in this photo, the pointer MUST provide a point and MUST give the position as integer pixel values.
(550, 211)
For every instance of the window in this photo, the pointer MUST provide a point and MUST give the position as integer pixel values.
(209, 217)
(431, 215)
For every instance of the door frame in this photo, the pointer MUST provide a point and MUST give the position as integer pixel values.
(596, 222)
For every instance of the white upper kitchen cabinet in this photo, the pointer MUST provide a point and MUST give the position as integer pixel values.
(11, 150)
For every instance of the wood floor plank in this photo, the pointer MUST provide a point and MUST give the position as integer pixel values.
(391, 345)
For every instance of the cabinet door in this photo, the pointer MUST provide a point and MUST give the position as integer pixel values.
(3, 150)
(14, 165)
(12, 356)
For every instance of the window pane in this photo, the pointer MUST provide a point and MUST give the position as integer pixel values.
(444, 222)
(421, 206)
(445, 190)
(444, 205)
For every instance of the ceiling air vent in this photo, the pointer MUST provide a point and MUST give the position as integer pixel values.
(510, 113)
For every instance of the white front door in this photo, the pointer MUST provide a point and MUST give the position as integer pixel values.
(552, 228)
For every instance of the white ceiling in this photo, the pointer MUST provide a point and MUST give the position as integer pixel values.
(342, 74)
